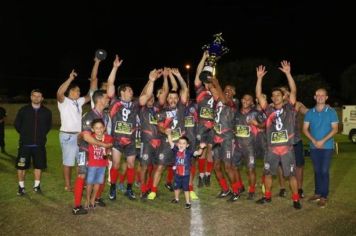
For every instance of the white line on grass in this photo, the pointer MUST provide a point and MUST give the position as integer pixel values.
(196, 221)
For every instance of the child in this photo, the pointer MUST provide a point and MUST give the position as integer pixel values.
(182, 166)
(97, 161)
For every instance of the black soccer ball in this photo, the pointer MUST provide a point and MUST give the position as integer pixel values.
(101, 54)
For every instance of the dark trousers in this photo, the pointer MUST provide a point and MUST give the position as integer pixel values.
(321, 162)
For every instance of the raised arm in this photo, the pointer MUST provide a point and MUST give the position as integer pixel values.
(172, 80)
(286, 69)
(183, 86)
(94, 75)
(260, 73)
(216, 90)
(162, 96)
(111, 80)
(197, 81)
(147, 91)
(63, 88)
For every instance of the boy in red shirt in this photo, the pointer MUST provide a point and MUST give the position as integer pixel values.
(97, 161)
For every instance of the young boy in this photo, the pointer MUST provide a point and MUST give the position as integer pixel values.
(97, 161)
(182, 166)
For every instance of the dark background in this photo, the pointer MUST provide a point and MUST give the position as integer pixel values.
(41, 43)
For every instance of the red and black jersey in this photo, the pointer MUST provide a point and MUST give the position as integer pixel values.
(172, 118)
(245, 132)
(123, 115)
(224, 121)
(190, 120)
(205, 103)
(280, 125)
(148, 120)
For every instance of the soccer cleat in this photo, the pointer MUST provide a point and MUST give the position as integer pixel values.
(263, 200)
(251, 196)
(201, 182)
(297, 205)
(100, 202)
(193, 195)
(121, 187)
(79, 211)
(21, 191)
(188, 206)
(322, 202)
(169, 186)
(234, 197)
(207, 180)
(152, 196)
(175, 201)
(144, 196)
(137, 184)
(223, 193)
(315, 197)
(130, 194)
(282, 192)
(37, 189)
(112, 192)
(301, 193)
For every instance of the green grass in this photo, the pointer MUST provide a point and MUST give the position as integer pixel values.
(50, 213)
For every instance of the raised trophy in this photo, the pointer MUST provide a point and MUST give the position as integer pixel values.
(216, 50)
(101, 54)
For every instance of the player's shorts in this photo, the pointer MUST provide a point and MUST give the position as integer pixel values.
(224, 151)
(261, 145)
(148, 153)
(204, 134)
(245, 155)
(82, 159)
(126, 146)
(283, 155)
(37, 154)
(165, 155)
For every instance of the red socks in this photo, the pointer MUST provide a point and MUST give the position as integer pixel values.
(78, 191)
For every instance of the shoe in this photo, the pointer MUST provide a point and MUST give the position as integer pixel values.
(21, 191)
(144, 196)
(112, 193)
(301, 193)
(201, 182)
(251, 196)
(263, 200)
(315, 197)
(322, 202)
(207, 180)
(37, 189)
(79, 211)
(188, 206)
(242, 189)
(130, 194)
(152, 196)
(100, 202)
(223, 193)
(234, 197)
(175, 201)
(282, 192)
(121, 187)
(193, 195)
(297, 205)
(169, 186)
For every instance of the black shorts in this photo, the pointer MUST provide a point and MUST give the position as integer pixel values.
(148, 154)
(283, 155)
(245, 155)
(127, 150)
(165, 155)
(36, 154)
(224, 152)
(204, 134)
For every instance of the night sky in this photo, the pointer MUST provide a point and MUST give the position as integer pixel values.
(42, 43)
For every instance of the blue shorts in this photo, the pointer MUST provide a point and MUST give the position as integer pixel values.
(299, 154)
(181, 182)
(95, 175)
(69, 147)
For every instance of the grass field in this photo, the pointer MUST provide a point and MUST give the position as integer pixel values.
(50, 213)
